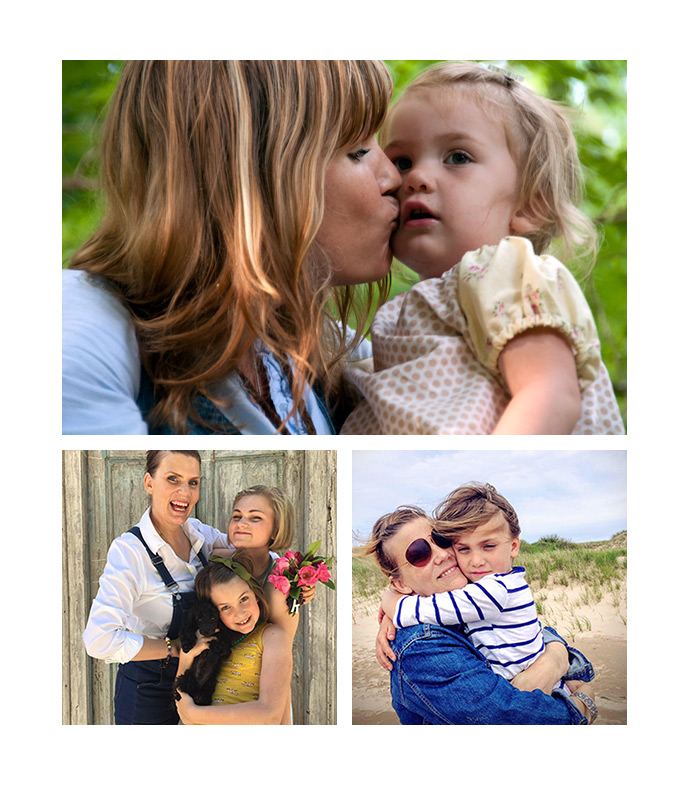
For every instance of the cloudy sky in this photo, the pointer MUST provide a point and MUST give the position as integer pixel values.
(578, 495)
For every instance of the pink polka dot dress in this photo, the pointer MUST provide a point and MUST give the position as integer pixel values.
(436, 348)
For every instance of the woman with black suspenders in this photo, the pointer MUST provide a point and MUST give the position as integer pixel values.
(147, 584)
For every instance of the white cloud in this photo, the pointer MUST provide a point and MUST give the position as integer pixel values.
(579, 495)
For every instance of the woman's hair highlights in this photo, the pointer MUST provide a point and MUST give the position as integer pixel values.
(384, 528)
(213, 174)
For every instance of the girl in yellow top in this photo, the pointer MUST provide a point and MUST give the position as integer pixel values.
(497, 337)
(253, 686)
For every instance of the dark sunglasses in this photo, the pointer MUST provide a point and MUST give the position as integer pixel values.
(418, 553)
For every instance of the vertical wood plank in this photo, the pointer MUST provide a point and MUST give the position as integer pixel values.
(76, 679)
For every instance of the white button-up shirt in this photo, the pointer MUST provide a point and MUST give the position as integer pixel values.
(132, 600)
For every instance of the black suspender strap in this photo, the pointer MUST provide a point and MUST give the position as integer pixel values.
(180, 600)
(158, 562)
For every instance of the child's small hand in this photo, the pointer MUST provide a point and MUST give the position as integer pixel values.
(384, 653)
(187, 658)
(185, 706)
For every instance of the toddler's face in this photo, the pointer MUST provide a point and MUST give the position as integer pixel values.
(490, 548)
(459, 181)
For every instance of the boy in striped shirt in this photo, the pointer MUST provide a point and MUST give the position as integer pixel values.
(495, 605)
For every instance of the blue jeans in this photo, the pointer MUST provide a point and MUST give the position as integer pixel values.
(144, 694)
(580, 668)
(440, 678)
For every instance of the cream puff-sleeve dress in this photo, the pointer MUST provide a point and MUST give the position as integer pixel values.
(436, 347)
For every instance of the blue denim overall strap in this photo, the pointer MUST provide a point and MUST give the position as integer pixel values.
(181, 600)
(217, 422)
(580, 668)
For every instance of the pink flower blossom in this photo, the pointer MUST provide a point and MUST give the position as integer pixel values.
(281, 565)
(280, 582)
(308, 576)
(323, 573)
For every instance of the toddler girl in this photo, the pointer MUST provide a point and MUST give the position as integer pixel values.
(502, 341)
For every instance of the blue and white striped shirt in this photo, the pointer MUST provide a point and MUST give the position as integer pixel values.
(499, 614)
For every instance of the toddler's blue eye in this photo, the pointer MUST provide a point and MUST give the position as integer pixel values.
(458, 157)
(403, 163)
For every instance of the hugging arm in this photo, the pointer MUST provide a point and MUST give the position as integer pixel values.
(472, 603)
(539, 369)
(546, 670)
(274, 689)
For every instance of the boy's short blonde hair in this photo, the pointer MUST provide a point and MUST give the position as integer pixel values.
(473, 505)
(542, 144)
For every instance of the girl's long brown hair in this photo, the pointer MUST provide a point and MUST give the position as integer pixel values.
(213, 175)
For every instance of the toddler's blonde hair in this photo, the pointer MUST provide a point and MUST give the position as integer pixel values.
(542, 144)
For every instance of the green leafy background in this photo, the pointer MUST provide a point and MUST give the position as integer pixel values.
(596, 88)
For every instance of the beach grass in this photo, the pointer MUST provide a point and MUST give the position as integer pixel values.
(600, 567)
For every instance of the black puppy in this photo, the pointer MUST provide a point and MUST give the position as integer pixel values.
(199, 681)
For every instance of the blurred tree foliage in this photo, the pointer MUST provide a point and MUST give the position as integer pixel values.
(597, 89)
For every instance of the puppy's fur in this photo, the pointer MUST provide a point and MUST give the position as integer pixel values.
(199, 681)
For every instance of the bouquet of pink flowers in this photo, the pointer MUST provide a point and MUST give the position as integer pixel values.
(295, 570)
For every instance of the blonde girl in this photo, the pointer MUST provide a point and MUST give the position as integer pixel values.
(498, 337)
(241, 197)
(262, 526)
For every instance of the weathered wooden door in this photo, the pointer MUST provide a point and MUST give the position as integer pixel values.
(103, 496)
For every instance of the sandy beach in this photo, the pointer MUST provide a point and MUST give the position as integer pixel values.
(597, 627)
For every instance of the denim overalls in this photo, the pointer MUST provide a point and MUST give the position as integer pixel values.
(143, 688)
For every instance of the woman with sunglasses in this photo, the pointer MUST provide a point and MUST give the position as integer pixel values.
(437, 675)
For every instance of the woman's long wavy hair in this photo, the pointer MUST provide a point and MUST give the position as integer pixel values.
(213, 174)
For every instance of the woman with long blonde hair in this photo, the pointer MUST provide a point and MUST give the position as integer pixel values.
(244, 200)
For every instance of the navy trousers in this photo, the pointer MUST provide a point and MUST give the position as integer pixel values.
(144, 694)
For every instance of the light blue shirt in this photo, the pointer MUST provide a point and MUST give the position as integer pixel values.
(101, 371)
